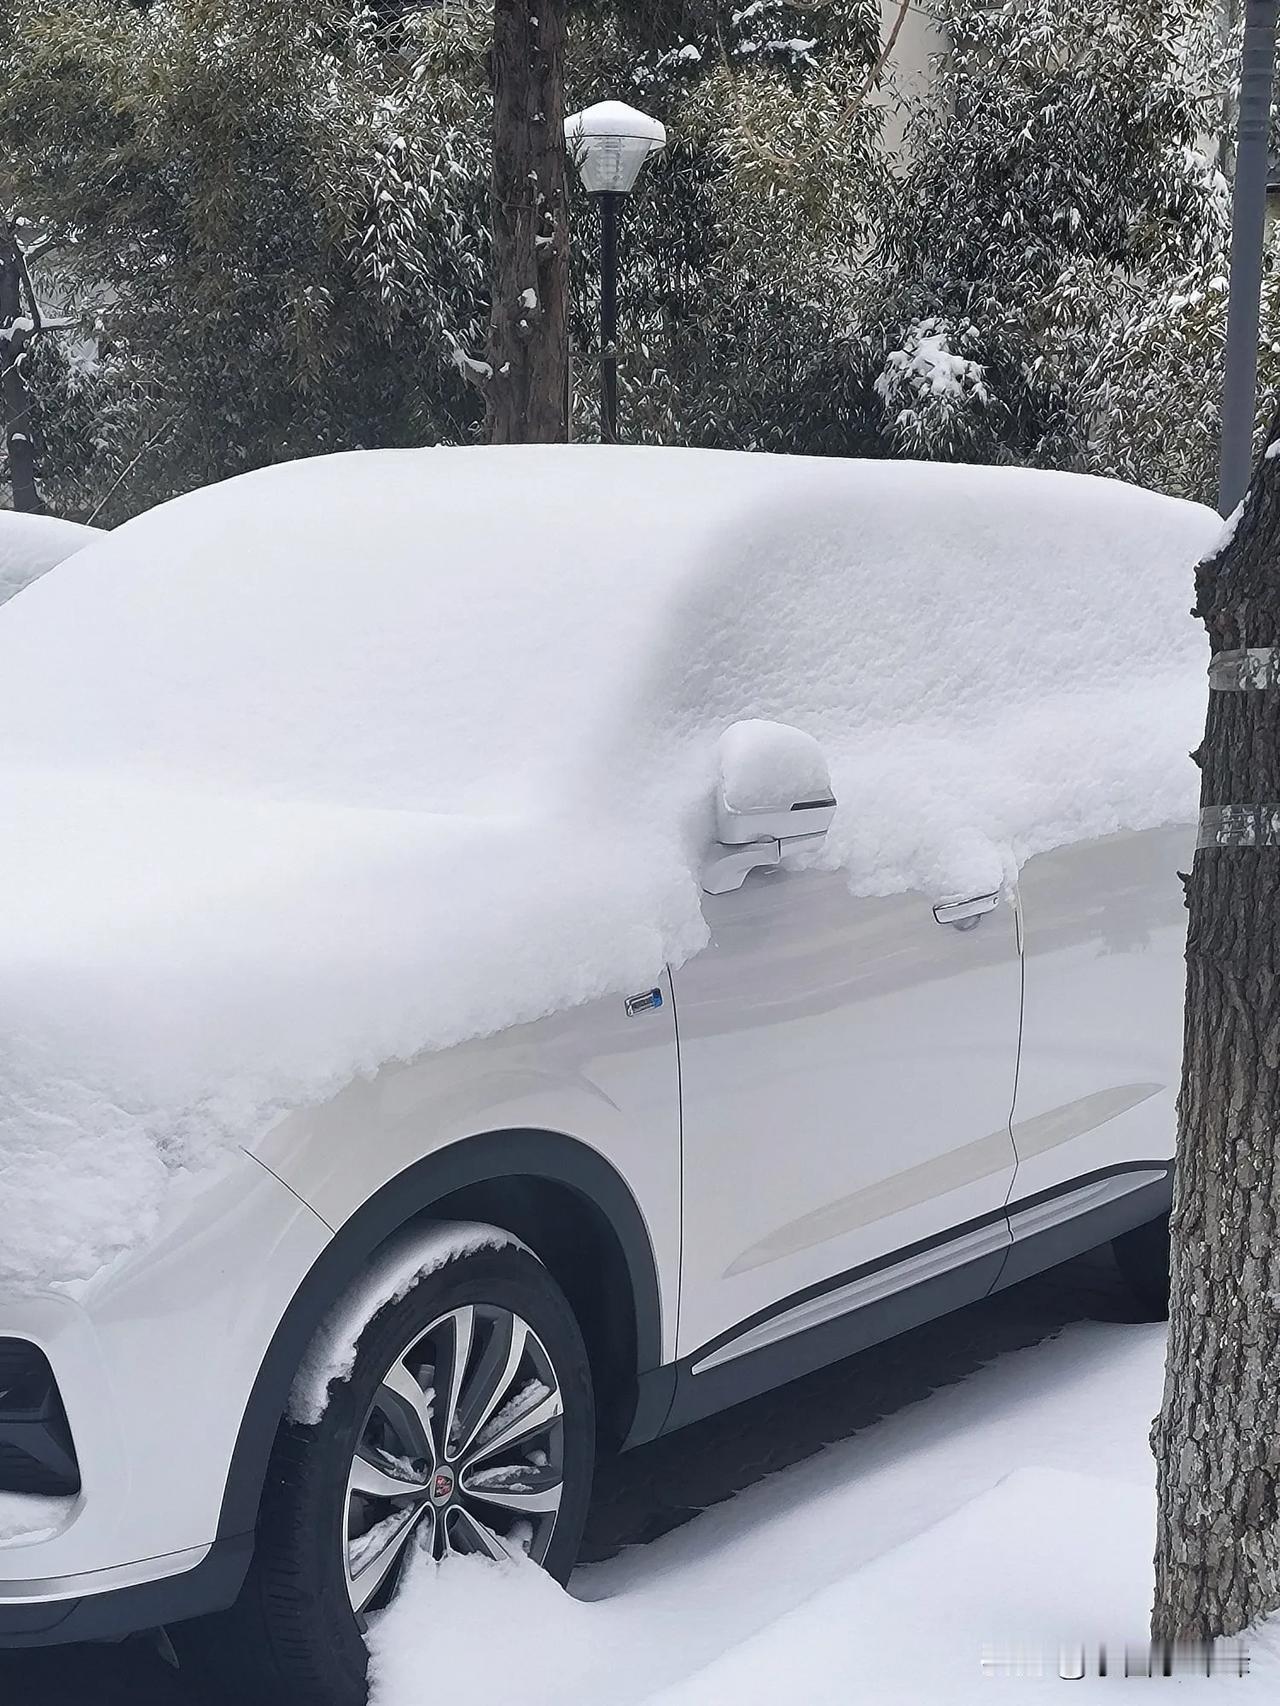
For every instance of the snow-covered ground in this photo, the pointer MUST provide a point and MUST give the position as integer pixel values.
(1001, 1520)
(981, 1494)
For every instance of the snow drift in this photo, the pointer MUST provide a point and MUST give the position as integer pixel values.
(927, 1559)
(356, 757)
(31, 545)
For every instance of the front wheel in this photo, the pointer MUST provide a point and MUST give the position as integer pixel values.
(467, 1426)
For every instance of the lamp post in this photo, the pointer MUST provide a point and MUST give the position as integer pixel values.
(1248, 221)
(609, 143)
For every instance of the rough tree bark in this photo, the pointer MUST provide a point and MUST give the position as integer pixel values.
(528, 325)
(19, 415)
(1217, 1438)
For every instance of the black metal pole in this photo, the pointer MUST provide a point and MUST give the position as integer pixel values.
(1248, 225)
(610, 209)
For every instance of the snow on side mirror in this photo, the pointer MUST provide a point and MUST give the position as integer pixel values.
(774, 787)
(774, 783)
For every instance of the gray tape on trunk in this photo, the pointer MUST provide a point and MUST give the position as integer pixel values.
(1251, 670)
(1239, 826)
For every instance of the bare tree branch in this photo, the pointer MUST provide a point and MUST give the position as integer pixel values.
(47, 246)
(131, 465)
(872, 79)
(800, 161)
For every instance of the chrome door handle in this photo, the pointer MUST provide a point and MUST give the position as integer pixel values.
(964, 914)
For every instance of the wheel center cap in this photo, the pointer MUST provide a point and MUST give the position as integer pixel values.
(442, 1486)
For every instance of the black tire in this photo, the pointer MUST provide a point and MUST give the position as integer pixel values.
(292, 1638)
(1143, 1258)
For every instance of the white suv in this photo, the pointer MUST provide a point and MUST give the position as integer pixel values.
(451, 1028)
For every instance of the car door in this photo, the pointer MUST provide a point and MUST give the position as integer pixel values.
(847, 1078)
(1095, 1118)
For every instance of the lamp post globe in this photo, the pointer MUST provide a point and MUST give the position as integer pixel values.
(609, 144)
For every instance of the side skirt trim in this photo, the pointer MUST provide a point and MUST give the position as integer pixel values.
(859, 1293)
(916, 1291)
(873, 1281)
(1027, 1222)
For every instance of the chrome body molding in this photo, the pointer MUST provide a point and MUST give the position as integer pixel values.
(1074, 1204)
(871, 1288)
(1025, 1223)
(46, 1588)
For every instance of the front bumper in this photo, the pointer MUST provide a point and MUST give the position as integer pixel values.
(155, 1359)
(106, 1605)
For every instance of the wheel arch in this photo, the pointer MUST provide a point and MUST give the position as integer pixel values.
(533, 1178)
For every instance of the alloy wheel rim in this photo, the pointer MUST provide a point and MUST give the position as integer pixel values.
(461, 1451)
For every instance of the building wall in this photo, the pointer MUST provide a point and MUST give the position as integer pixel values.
(920, 40)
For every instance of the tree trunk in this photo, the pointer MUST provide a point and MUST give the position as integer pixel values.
(1217, 1438)
(19, 418)
(528, 324)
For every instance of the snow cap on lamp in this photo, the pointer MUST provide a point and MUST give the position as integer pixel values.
(609, 143)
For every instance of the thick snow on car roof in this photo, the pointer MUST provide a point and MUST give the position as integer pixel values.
(356, 757)
(31, 545)
(431, 628)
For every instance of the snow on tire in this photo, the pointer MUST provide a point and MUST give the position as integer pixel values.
(466, 1424)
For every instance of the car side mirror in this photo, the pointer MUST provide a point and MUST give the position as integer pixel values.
(773, 789)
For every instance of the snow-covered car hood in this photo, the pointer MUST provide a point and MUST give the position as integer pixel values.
(361, 756)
